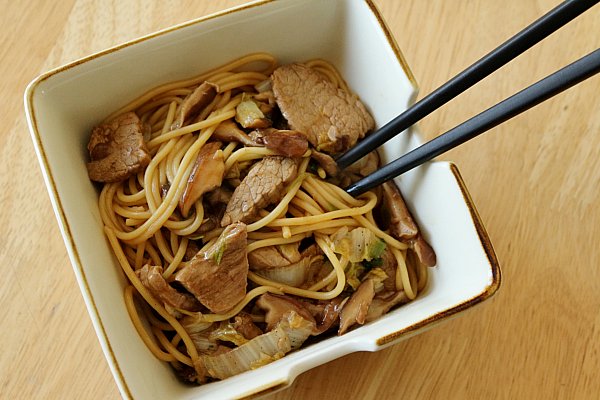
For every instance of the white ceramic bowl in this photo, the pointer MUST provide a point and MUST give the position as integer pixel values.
(64, 104)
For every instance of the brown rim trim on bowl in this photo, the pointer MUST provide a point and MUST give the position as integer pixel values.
(393, 44)
(492, 259)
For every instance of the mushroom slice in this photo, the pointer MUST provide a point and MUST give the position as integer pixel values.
(228, 131)
(355, 310)
(206, 175)
(201, 97)
(285, 142)
(402, 226)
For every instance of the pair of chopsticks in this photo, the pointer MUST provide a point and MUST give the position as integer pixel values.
(501, 112)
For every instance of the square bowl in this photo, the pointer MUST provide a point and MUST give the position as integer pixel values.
(63, 105)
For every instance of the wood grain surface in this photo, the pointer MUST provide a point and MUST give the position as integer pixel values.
(535, 181)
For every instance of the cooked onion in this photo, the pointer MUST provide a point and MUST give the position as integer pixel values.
(289, 334)
(291, 275)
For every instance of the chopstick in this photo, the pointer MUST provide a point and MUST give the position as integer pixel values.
(513, 47)
(527, 98)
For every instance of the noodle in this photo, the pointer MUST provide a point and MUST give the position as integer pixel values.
(144, 227)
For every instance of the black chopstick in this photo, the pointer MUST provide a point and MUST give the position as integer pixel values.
(533, 95)
(513, 47)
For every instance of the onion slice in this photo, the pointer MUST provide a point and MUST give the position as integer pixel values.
(289, 334)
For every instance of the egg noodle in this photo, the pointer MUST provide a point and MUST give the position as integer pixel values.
(141, 226)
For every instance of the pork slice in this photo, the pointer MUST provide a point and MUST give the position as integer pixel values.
(355, 310)
(201, 97)
(151, 277)
(275, 256)
(218, 277)
(261, 187)
(117, 149)
(333, 119)
(265, 258)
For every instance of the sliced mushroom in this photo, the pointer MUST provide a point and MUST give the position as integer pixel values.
(201, 97)
(326, 162)
(276, 306)
(383, 302)
(401, 224)
(228, 131)
(206, 175)
(355, 310)
(424, 251)
(285, 142)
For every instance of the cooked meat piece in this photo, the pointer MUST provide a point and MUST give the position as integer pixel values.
(424, 251)
(401, 224)
(355, 310)
(326, 162)
(389, 266)
(261, 187)
(285, 142)
(248, 115)
(244, 325)
(266, 257)
(276, 306)
(274, 256)
(201, 97)
(206, 175)
(333, 119)
(219, 196)
(152, 279)
(228, 131)
(383, 302)
(117, 149)
(191, 250)
(218, 277)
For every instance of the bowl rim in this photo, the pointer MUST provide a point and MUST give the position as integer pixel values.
(73, 252)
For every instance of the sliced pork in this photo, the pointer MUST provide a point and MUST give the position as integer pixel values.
(332, 119)
(261, 187)
(117, 149)
(218, 277)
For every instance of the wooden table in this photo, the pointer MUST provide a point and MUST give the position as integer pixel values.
(535, 180)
